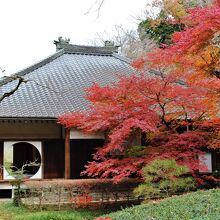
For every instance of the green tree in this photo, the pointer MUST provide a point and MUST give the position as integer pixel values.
(167, 20)
(18, 175)
(163, 178)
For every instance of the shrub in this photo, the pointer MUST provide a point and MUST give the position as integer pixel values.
(163, 178)
(82, 201)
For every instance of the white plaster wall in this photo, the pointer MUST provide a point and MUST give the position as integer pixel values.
(76, 134)
(6, 186)
(206, 159)
(8, 157)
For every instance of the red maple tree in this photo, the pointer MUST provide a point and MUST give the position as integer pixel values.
(161, 107)
(175, 108)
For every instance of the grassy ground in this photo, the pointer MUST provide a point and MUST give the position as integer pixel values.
(9, 212)
(201, 205)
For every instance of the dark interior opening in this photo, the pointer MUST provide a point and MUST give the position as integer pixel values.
(5, 193)
(81, 151)
(53, 151)
(216, 160)
(24, 153)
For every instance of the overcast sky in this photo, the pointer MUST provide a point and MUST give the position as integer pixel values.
(29, 27)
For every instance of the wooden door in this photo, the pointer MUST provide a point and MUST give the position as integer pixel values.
(53, 159)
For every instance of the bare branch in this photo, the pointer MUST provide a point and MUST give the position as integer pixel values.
(20, 81)
(131, 45)
(2, 70)
(98, 8)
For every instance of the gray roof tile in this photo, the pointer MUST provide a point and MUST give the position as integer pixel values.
(57, 83)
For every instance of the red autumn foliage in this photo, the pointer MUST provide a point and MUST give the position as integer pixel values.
(194, 55)
(212, 127)
(138, 63)
(157, 106)
(176, 109)
(196, 48)
(82, 201)
(183, 148)
(211, 178)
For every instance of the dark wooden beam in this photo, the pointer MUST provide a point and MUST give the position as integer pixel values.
(1, 160)
(67, 154)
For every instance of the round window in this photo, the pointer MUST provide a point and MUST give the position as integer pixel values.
(26, 153)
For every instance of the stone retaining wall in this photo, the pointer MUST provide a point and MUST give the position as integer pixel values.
(79, 193)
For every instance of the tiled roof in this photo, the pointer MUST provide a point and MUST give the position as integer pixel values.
(56, 84)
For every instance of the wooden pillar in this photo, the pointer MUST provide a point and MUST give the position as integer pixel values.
(67, 154)
(1, 160)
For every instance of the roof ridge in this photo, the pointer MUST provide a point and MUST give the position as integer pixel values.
(109, 47)
(31, 68)
(104, 53)
(72, 48)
